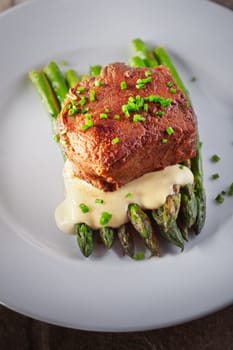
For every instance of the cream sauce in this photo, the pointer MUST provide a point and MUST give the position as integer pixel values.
(149, 191)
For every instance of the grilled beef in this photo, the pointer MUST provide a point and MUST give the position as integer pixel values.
(125, 123)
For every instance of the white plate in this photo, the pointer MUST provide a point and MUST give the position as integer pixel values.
(42, 273)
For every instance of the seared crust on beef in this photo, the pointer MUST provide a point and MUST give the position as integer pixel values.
(142, 145)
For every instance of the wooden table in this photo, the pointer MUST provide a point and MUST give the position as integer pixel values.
(214, 332)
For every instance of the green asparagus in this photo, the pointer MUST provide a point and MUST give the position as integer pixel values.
(71, 77)
(126, 239)
(163, 58)
(45, 92)
(84, 235)
(107, 236)
(196, 162)
(141, 222)
(165, 217)
(196, 167)
(141, 50)
(57, 80)
(94, 71)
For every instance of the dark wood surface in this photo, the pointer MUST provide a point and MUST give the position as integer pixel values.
(213, 332)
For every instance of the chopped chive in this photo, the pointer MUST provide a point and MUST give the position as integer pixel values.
(56, 138)
(105, 218)
(125, 110)
(99, 201)
(193, 79)
(103, 116)
(147, 73)
(215, 158)
(63, 142)
(87, 125)
(92, 95)
(116, 116)
(123, 85)
(159, 113)
(169, 83)
(145, 107)
(88, 116)
(138, 118)
(82, 100)
(84, 208)
(129, 194)
(115, 140)
(84, 110)
(219, 199)
(215, 176)
(80, 89)
(164, 140)
(172, 90)
(98, 83)
(106, 110)
(169, 130)
(71, 112)
(181, 166)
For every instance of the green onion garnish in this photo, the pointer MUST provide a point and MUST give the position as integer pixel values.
(172, 90)
(129, 194)
(147, 73)
(82, 100)
(169, 83)
(116, 116)
(80, 89)
(164, 140)
(193, 79)
(56, 138)
(215, 176)
(169, 130)
(123, 85)
(115, 140)
(138, 118)
(99, 201)
(219, 199)
(103, 116)
(84, 208)
(92, 95)
(159, 113)
(87, 125)
(98, 83)
(105, 218)
(145, 107)
(215, 158)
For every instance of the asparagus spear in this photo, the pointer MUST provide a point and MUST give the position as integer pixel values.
(142, 224)
(188, 208)
(165, 217)
(71, 77)
(107, 236)
(196, 162)
(136, 61)
(196, 166)
(57, 80)
(95, 70)
(84, 236)
(126, 239)
(140, 49)
(45, 92)
(163, 58)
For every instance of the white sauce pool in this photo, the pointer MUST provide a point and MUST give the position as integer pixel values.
(149, 191)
